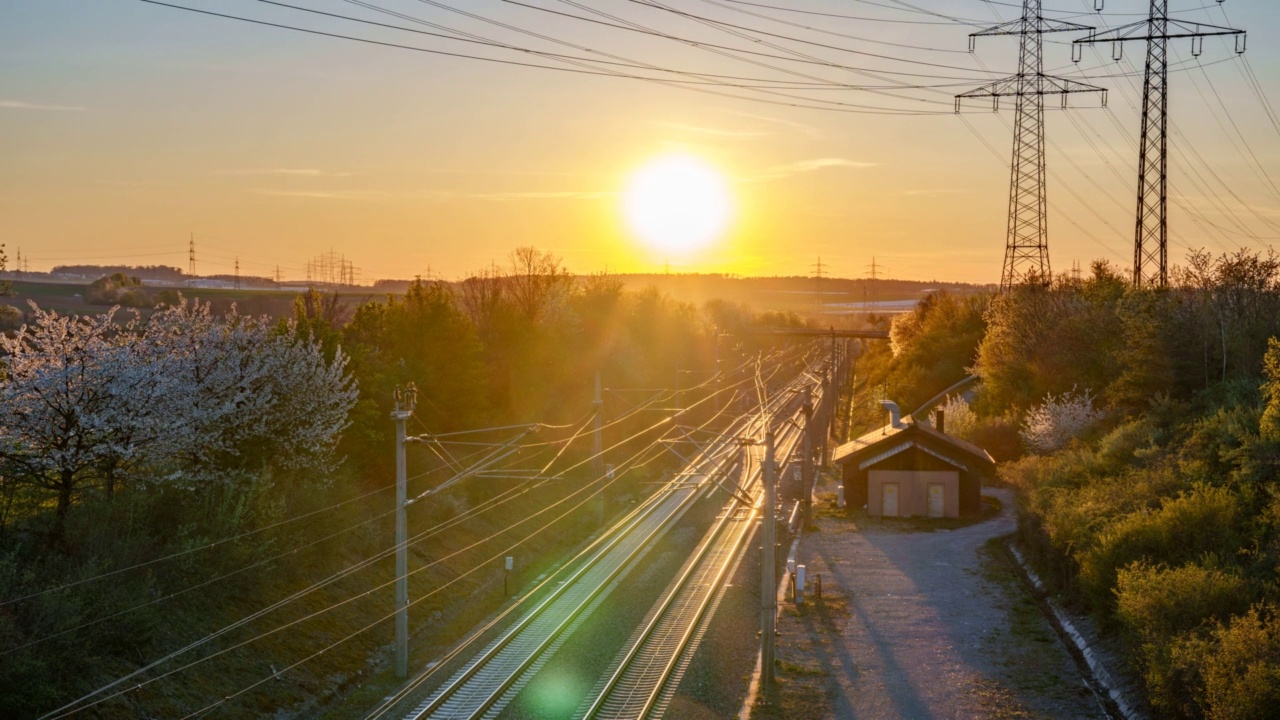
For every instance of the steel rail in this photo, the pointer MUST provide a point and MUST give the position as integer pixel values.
(631, 537)
(540, 646)
(684, 606)
(621, 532)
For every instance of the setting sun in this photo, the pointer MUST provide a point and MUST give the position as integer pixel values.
(677, 203)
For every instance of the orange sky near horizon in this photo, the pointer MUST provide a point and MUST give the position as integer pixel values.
(129, 126)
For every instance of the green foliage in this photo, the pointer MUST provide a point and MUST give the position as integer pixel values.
(930, 348)
(1203, 520)
(6, 286)
(997, 435)
(1129, 345)
(117, 289)
(10, 318)
(1169, 526)
(512, 344)
(1270, 423)
(1157, 608)
(1154, 602)
(1240, 667)
(1049, 340)
(1167, 523)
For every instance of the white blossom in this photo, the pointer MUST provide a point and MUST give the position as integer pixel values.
(182, 397)
(960, 418)
(1051, 425)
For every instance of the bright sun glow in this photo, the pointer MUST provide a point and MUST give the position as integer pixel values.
(677, 203)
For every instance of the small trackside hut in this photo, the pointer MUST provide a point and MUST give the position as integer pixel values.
(907, 469)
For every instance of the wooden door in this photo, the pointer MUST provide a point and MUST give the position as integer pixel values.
(937, 500)
(889, 500)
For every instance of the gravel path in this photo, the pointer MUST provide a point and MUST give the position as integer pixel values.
(920, 624)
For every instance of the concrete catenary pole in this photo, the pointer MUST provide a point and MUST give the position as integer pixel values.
(715, 367)
(806, 460)
(403, 410)
(597, 449)
(831, 398)
(768, 596)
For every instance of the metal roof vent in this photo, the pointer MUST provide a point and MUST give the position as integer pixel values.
(895, 415)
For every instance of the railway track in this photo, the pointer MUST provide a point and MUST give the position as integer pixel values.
(652, 661)
(646, 674)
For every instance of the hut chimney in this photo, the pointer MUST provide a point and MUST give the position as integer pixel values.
(895, 415)
(940, 420)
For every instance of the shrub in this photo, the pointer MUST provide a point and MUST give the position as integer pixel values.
(1054, 423)
(135, 298)
(960, 418)
(1204, 520)
(998, 436)
(114, 289)
(10, 318)
(1241, 671)
(1157, 607)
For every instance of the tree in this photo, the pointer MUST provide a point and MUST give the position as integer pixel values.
(1051, 425)
(6, 286)
(184, 398)
(239, 395)
(1271, 390)
(59, 394)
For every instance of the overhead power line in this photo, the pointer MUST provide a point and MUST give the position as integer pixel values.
(802, 103)
(851, 17)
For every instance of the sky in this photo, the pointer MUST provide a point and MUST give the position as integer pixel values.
(127, 128)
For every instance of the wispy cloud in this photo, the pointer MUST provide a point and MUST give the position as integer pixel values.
(23, 105)
(546, 195)
(940, 191)
(375, 195)
(354, 194)
(295, 172)
(777, 172)
(809, 130)
(715, 132)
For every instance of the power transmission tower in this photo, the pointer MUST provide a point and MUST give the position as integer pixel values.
(279, 277)
(874, 271)
(1026, 253)
(1151, 237)
(237, 273)
(191, 256)
(18, 265)
(817, 281)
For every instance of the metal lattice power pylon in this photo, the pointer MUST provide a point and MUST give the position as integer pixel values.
(1151, 239)
(1026, 254)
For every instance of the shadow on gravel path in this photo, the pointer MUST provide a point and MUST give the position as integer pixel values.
(920, 624)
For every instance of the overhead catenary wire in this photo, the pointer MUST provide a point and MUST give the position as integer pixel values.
(630, 464)
(80, 704)
(471, 512)
(493, 502)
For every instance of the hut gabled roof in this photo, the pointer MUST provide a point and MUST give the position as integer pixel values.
(890, 440)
